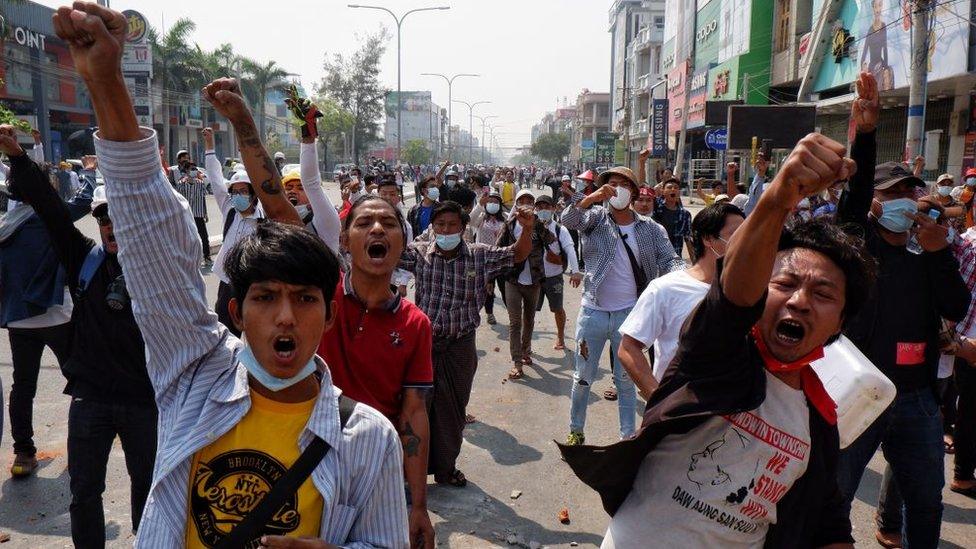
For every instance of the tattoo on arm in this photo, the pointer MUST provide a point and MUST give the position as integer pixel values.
(271, 186)
(411, 442)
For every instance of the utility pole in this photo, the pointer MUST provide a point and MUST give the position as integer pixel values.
(917, 90)
(450, 101)
(689, 69)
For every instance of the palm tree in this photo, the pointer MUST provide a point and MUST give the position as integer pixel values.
(172, 67)
(257, 81)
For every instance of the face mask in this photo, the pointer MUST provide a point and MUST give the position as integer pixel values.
(580, 185)
(353, 197)
(448, 242)
(945, 191)
(621, 200)
(451, 183)
(971, 181)
(492, 208)
(433, 194)
(302, 210)
(893, 214)
(266, 379)
(545, 216)
(240, 202)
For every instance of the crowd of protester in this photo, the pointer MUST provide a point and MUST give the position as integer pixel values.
(313, 399)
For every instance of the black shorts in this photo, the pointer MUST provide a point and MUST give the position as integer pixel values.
(552, 290)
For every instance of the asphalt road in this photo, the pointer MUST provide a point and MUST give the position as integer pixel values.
(509, 448)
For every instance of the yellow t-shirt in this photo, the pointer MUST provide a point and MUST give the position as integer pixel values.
(231, 476)
(508, 194)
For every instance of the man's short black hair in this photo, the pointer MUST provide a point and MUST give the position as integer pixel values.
(386, 182)
(366, 198)
(283, 252)
(709, 224)
(845, 250)
(446, 207)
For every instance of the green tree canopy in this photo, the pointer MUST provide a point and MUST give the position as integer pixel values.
(416, 152)
(552, 147)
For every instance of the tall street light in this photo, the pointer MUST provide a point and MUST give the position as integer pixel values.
(450, 83)
(471, 107)
(483, 119)
(399, 22)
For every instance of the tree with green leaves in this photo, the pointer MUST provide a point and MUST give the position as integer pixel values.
(335, 121)
(353, 83)
(416, 152)
(552, 147)
(172, 69)
(257, 81)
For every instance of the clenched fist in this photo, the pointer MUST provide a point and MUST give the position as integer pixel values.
(95, 37)
(226, 97)
(815, 163)
(8, 141)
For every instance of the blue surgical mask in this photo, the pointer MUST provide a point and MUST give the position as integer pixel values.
(433, 194)
(492, 208)
(545, 216)
(448, 242)
(451, 183)
(945, 191)
(971, 181)
(893, 215)
(302, 210)
(246, 357)
(240, 202)
(580, 185)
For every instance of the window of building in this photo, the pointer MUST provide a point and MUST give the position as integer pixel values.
(53, 82)
(783, 25)
(659, 22)
(18, 74)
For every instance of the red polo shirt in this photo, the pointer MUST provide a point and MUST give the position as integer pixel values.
(374, 354)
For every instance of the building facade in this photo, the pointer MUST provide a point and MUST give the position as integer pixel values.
(592, 116)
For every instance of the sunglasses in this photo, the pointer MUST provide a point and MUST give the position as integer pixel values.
(103, 220)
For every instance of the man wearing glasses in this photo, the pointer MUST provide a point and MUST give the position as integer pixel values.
(111, 394)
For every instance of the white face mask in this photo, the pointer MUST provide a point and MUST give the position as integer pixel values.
(302, 210)
(622, 200)
(433, 193)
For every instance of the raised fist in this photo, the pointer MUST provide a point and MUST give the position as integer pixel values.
(226, 97)
(8, 141)
(816, 163)
(95, 37)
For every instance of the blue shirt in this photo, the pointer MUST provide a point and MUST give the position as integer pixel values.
(424, 217)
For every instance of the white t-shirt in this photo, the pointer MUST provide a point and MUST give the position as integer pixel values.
(55, 315)
(718, 485)
(618, 289)
(661, 311)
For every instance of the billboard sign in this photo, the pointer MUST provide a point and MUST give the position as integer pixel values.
(605, 143)
(748, 121)
(658, 138)
(717, 139)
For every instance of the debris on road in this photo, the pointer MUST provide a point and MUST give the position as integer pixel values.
(515, 494)
(564, 515)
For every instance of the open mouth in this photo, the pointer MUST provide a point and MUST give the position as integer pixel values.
(789, 332)
(376, 250)
(110, 237)
(293, 199)
(284, 347)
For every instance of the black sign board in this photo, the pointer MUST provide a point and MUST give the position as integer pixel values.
(717, 112)
(784, 125)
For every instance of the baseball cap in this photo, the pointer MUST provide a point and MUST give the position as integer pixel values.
(722, 198)
(890, 174)
(522, 193)
(181, 152)
(279, 155)
(451, 173)
(740, 201)
(971, 172)
(944, 177)
(544, 198)
(564, 178)
(239, 177)
(98, 201)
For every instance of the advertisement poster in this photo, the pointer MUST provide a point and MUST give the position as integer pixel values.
(657, 141)
(733, 28)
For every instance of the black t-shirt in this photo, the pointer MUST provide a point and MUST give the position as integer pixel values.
(669, 219)
(462, 195)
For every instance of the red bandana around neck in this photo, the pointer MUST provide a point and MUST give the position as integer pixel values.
(812, 386)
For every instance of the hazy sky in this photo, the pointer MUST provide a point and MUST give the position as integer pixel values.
(529, 52)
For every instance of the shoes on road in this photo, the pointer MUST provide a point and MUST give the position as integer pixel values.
(491, 320)
(575, 439)
(891, 540)
(24, 465)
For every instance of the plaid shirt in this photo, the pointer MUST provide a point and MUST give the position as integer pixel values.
(964, 248)
(194, 192)
(452, 291)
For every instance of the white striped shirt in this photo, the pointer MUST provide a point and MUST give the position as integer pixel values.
(201, 388)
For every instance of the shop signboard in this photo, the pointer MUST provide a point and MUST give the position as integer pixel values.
(605, 144)
(658, 138)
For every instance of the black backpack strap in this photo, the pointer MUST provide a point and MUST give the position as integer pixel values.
(254, 523)
(229, 220)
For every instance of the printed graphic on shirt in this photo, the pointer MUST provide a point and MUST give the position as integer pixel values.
(230, 486)
(910, 354)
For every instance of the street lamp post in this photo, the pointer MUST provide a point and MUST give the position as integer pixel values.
(483, 120)
(471, 107)
(450, 83)
(399, 22)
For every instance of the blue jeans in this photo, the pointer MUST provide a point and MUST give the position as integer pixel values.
(910, 436)
(593, 330)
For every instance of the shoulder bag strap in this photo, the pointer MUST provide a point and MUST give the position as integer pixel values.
(253, 524)
(640, 277)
